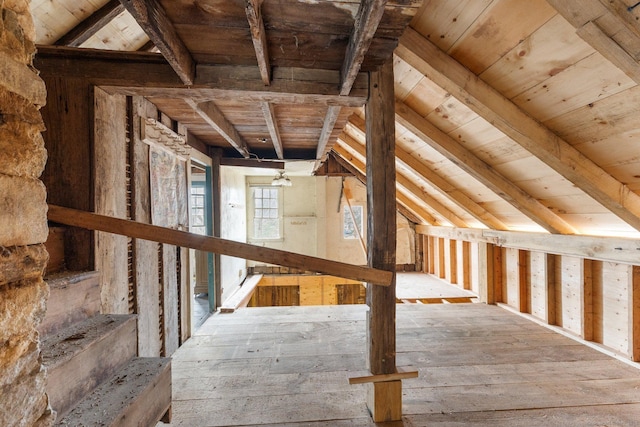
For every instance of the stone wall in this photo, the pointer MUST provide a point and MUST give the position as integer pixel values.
(23, 224)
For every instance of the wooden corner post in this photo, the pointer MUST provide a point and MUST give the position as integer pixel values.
(385, 397)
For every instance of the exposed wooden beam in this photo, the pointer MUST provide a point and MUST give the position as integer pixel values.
(408, 185)
(532, 135)
(327, 128)
(437, 182)
(253, 8)
(120, 72)
(366, 23)
(272, 125)
(210, 112)
(92, 221)
(147, 47)
(417, 211)
(483, 172)
(151, 16)
(94, 23)
(251, 163)
(363, 179)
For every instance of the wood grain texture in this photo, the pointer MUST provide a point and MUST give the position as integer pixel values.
(91, 25)
(253, 9)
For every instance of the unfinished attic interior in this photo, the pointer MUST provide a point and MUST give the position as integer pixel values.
(319, 213)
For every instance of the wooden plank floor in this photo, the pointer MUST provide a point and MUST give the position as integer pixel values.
(479, 365)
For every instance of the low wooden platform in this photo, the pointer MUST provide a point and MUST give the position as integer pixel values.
(479, 365)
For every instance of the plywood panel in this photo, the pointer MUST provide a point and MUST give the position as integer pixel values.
(616, 303)
(571, 293)
(542, 286)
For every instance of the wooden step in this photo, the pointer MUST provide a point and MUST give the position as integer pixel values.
(74, 297)
(82, 356)
(138, 395)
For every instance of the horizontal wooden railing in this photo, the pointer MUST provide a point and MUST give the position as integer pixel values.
(170, 236)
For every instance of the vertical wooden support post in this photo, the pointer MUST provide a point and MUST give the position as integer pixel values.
(385, 398)
(487, 272)
(523, 281)
(451, 261)
(431, 249)
(634, 314)
(587, 300)
(216, 157)
(463, 250)
(440, 256)
(551, 283)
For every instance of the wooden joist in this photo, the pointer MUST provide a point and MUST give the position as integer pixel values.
(366, 23)
(253, 9)
(327, 128)
(480, 170)
(90, 26)
(169, 236)
(272, 125)
(532, 135)
(210, 112)
(153, 19)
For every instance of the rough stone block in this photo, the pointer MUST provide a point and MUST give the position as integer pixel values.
(21, 79)
(14, 39)
(25, 20)
(22, 151)
(14, 107)
(22, 263)
(23, 305)
(23, 211)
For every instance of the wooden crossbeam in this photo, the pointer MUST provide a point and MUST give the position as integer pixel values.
(366, 23)
(402, 373)
(210, 112)
(90, 26)
(153, 19)
(480, 170)
(532, 135)
(327, 128)
(251, 163)
(253, 9)
(92, 221)
(437, 182)
(272, 124)
(120, 72)
(410, 186)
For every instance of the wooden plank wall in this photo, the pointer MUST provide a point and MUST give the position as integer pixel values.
(311, 290)
(595, 299)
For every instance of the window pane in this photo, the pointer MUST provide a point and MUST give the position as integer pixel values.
(273, 203)
(273, 193)
(257, 192)
(273, 213)
(258, 203)
(258, 213)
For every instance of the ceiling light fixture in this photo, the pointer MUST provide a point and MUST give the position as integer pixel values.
(281, 180)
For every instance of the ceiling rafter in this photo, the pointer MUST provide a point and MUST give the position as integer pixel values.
(401, 199)
(91, 25)
(272, 125)
(480, 170)
(439, 183)
(253, 9)
(210, 112)
(365, 26)
(327, 128)
(154, 21)
(407, 184)
(360, 176)
(532, 135)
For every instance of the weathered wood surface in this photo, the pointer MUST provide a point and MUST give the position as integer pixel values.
(258, 358)
(241, 296)
(217, 245)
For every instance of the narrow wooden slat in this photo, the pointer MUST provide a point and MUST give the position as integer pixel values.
(272, 124)
(327, 128)
(153, 19)
(240, 298)
(365, 26)
(253, 9)
(483, 172)
(90, 26)
(401, 374)
(520, 127)
(210, 112)
(154, 233)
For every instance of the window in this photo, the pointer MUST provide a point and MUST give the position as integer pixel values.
(198, 224)
(266, 213)
(348, 225)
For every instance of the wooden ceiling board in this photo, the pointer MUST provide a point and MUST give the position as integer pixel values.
(585, 82)
(499, 29)
(405, 78)
(546, 52)
(425, 97)
(444, 21)
(123, 33)
(450, 115)
(54, 18)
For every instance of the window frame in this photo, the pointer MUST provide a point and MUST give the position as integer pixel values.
(252, 210)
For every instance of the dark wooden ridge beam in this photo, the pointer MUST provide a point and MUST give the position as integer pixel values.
(123, 227)
(253, 9)
(251, 163)
(523, 129)
(366, 23)
(210, 112)
(272, 125)
(154, 21)
(120, 72)
(94, 23)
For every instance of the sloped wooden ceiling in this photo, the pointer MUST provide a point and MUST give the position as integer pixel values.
(509, 114)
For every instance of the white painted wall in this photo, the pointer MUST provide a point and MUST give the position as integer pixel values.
(233, 224)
